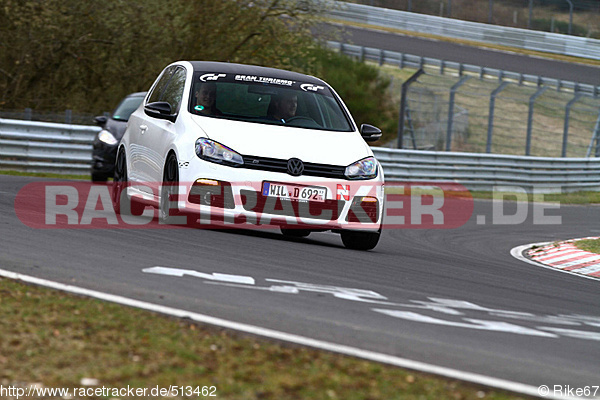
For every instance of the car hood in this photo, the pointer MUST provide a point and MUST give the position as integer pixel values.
(275, 141)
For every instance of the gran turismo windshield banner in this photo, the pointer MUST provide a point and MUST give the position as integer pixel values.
(261, 80)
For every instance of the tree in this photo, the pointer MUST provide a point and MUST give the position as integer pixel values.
(87, 55)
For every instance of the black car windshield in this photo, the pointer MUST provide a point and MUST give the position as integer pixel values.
(127, 107)
(267, 100)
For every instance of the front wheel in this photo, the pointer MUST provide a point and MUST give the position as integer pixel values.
(119, 182)
(169, 191)
(99, 177)
(120, 201)
(360, 240)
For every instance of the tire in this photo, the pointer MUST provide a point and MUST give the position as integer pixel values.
(360, 240)
(98, 177)
(120, 184)
(119, 181)
(297, 233)
(169, 189)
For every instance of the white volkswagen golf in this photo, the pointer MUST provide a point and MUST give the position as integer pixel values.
(237, 145)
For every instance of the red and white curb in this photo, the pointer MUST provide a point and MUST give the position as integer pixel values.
(563, 256)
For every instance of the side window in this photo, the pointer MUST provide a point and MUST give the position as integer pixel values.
(174, 91)
(161, 85)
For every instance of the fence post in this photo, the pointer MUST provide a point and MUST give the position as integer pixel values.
(597, 132)
(566, 129)
(595, 139)
(532, 100)
(453, 91)
(403, 105)
(68, 116)
(570, 16)
(28, 114)
(488, 146)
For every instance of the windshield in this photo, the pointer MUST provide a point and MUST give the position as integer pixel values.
(268, 101)
(126, 108)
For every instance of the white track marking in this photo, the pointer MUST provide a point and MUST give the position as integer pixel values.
(287, 337)
(215, 276)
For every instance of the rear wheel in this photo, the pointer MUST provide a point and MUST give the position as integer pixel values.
(169, 190)
(360, 240)
(297, 233)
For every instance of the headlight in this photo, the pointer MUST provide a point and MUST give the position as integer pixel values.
(363, 169)
(212, 151)
(107, 137)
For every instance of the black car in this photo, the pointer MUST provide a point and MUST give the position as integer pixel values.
(107, 140)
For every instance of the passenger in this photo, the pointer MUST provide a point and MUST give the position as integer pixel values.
(283, 107)
(206, 99)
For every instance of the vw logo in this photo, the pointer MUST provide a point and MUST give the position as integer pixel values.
(295, 167)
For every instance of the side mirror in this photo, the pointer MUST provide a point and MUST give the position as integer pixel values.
(100, 120)
(160, 109)
(370, 133)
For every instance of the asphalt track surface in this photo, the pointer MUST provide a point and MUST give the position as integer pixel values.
(413, 269)
(480, 56)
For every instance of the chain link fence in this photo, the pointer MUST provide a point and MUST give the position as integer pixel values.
(468, 114)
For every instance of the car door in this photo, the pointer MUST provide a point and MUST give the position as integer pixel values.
(157, 133)
(139, 152)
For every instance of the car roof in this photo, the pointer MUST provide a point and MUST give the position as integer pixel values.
(244, 69)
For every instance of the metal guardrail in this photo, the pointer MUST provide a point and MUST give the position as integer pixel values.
(46, 147)
(478, 171)
(60, 148)
(404, 60)
(472, 31)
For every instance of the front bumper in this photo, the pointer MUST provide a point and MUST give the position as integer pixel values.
(103, 158)
(238, 198)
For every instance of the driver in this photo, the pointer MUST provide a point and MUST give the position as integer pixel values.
(284, 106)
(206, 96)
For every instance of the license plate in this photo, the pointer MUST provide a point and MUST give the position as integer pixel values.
(294, 192)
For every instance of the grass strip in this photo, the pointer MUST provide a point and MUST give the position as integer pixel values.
(591, 245)
(582, 197)
(46, 175)
(54, 339)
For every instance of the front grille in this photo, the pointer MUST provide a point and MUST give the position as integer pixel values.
(328, 210)
(279, 165)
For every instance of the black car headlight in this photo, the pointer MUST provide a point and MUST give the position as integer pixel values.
(362, 169)
(212, 151)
